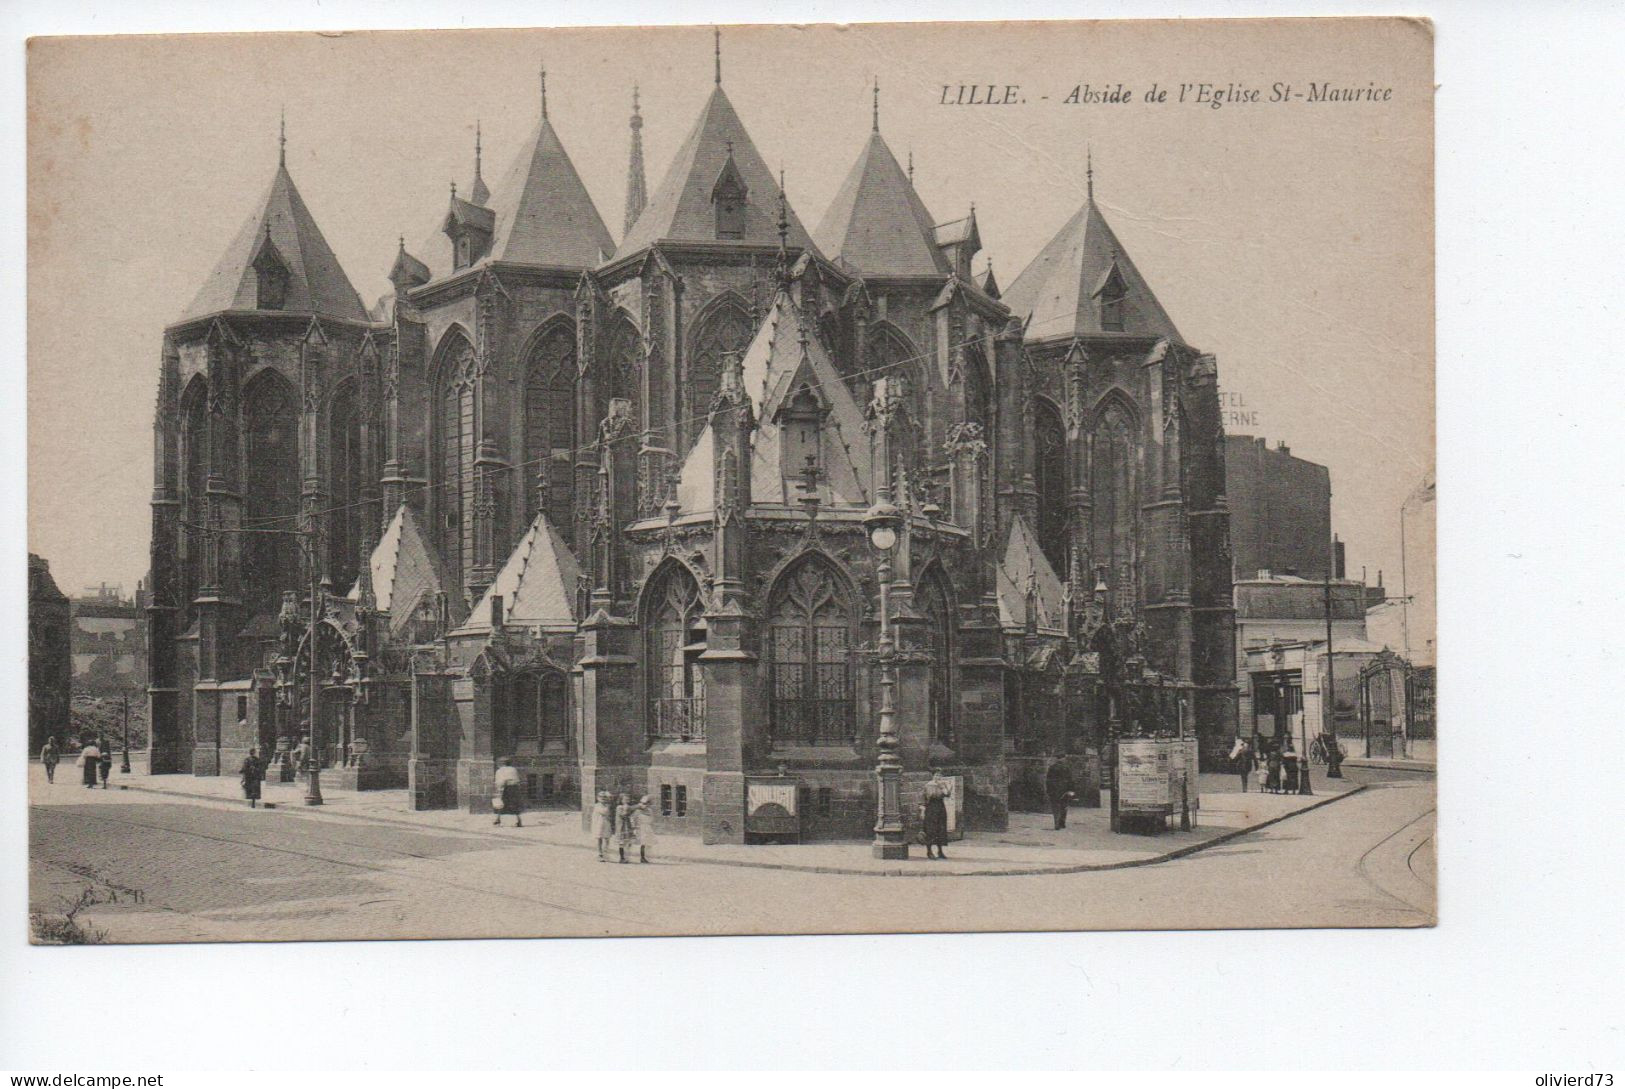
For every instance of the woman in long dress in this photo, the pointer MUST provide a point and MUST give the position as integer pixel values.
(603, 827)
(252, 774)
(643, 827)
(90, 758)
(936, 816)
(623, 825)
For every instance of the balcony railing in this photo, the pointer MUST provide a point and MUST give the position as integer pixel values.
(680, 718)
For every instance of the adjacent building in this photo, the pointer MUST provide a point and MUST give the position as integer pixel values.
(109, 643)
(50, 660)
(1280, 510)
(606, 507)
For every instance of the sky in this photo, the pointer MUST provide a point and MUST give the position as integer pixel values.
(1293, 240)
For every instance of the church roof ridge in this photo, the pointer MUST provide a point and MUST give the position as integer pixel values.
(536, 583)
(316, 281)
(877, 222)
(680, 207)
(1057, 292)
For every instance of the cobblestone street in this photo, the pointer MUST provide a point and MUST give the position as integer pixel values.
(197, 869)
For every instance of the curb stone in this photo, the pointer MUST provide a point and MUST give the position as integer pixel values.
(842, 871)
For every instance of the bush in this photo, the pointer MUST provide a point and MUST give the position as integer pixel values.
(65, 929)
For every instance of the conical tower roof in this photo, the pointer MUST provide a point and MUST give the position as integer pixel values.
(680, 208)
(878, 224)
(316, 283)
(537, 584)
(543, 213)
(1060, 291)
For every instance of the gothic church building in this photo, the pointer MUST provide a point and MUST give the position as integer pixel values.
(600, 506)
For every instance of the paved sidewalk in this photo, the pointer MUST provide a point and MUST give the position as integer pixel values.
(1028, 846)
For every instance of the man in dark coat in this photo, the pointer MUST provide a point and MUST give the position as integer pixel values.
(253, 773)
(1058, 787)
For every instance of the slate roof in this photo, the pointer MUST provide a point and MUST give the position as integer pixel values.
(537, 585)
(1023, 557)
(877, 223)
(316, 282)
(680, 207)
(774, 369)
(1058, 290)
(542, 211)
(405, 570)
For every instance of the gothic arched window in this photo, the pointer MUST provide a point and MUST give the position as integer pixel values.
(455, 440)
(194, 484)
(550, 424)
(1114, 487)
(810, 628)
(344, 486)
(1049, 450)
(725, 329)
(271, 432)
(673, 639)
(931, 599)
(891, 355)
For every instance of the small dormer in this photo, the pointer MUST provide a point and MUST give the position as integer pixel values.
(729, 195)
(407, 272)
(270, 275)
(470, 228)
(960, 241)
(1111, 293)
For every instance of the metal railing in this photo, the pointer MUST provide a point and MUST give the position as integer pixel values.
(679, 718)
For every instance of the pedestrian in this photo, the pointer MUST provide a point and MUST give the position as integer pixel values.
(937, 792)
(253, 773)
(1058, 787)
(1272, 777)
(603, 823)
(623, 824)
(50, 756)
(508, 802)
(301, 752)
(105, 764)
(90, 760)
(1242, 755)
(1290, 761)
(643, 827)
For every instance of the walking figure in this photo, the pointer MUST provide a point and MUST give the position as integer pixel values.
(937, 792)
(1058, 786)
(50, 756)
(603, 823)
(623, 824)
(508, 801)
(643, 827)
(1242, 754)
(253, 773)
(1272, 777)
(90, 759)
(105, 763)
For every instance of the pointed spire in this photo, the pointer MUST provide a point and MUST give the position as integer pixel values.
(637, 195)
(784, 232)
(478, 192)
(282, 140)
(544, 90)
(876, 119)
(1089, 173)
(718, 32)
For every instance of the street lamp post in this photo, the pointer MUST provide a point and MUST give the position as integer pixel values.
(124, 764)
(313, 781)
(890, 841)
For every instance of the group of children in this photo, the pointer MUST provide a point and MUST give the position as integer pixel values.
(625, 822)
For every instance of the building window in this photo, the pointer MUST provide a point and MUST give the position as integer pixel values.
(810, 629)
(723, 332)
(550, 425)
(1114, 488)
(271, 499)
(242, 708)
(1049, 440)
(682, 801)
(674, 639)
(454, 491)
(1111, 302)
(665, 799)
(932, 602)
(345, 474)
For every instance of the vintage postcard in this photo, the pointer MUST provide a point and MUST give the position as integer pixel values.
(731, 480)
